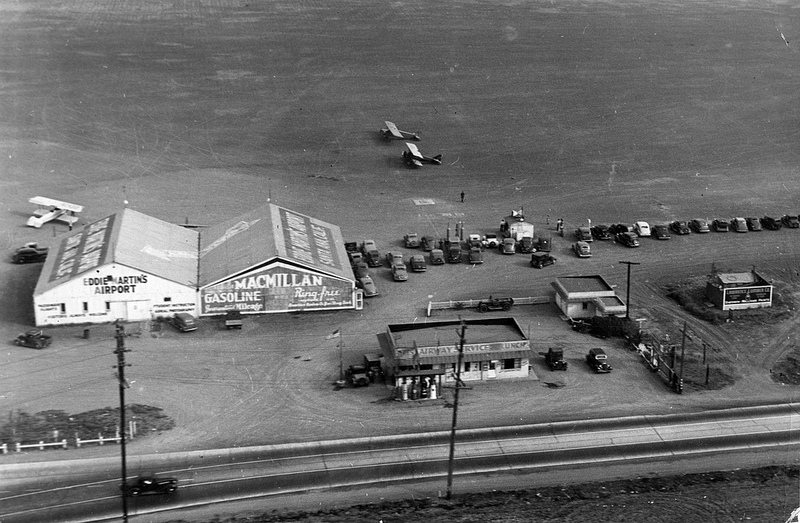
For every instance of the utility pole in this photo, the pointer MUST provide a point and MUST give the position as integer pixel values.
(455, 411)
(120, 352)
(628, 293)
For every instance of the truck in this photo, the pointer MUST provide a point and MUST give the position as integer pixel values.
(34, 338)
(554, 357)
(357, 376)
(453, 250)
(233, 320)
(437, 257)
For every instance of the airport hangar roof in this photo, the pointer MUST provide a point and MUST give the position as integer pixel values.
(128, 238)
(266, 235)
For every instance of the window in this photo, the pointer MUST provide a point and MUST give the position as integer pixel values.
(63, 308)
(585, 305)
(167, 299)
(512, 363)
(108, 305)
(467, 366)
(85, 306)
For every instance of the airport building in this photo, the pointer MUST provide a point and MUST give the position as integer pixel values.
(132, 267)
(587, 297)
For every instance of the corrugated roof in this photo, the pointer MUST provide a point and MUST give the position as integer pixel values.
(259, 236)
(128, 238)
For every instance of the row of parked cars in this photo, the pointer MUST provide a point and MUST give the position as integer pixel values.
(629, 235)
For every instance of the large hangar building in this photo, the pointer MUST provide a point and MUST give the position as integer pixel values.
(132, 267)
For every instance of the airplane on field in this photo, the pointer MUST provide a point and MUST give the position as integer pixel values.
(392, 131)
(50, 210)
(414, 158)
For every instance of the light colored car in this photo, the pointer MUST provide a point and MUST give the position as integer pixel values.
(509, 246)
(394, 257)
(641, 228)
(399, 272)
(582, 249)
(366, 284)
(739, 224)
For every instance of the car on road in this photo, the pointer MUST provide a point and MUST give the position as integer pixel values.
(583, 234)
(582, 249)
(601, 231)
(738, 225)
(149, 485)
(598, 361)
(753, 224)
(366, 284)
(680, 227)
(641, 228)
(791, 221)
(721, 225)
(699, 225)
(661, 231)
(508, 246)
(628, 239)
(539, 260)
(770, 223)
(399, 272)
(30, 253)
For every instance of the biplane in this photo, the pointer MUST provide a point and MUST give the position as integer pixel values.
(50, 210)
(392, 131)
(414, 158)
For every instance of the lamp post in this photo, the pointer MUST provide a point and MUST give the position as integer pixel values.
(628, 291)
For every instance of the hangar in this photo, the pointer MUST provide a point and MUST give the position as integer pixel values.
(132, 267)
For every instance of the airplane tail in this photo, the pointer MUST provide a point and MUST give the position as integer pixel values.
(438, 158)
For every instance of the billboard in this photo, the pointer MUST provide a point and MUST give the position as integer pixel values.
(277, 288)
(748, 295)
(83, 251)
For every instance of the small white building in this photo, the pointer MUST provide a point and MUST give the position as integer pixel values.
(587, 296)
(126, 266)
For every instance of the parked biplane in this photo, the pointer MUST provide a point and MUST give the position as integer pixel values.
(392, 131)
(50, 210)
(414, 158)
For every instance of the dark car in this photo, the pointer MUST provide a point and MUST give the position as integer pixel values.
(753, 224)
(428, 243)
(770, 223)
(628, 239)
(602, 232)
(554, 358)
(720, 225)
(541, 259)
(583, 234)
(791, 221)
(145, 485)
(357, 375)
(739, 224)
(495, 304)
(544, 243)
(620, 227)
(661, 231)
(360, 270)
(30, 253)
(34, 339)
(598, 360)
(526, 245)
(699, 225)
(679, 227)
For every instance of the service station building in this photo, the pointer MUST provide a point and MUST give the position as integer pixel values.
(133, 267)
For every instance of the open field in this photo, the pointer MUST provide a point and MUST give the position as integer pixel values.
(603, 111)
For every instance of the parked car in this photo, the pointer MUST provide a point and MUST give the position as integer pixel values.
(233, 320)
(582, 249)
(739, 225)
(620, 227)
(641, 228)
(526, 245)
(495, 304)
(679, 227)
(791, 221)
(147, 485)
(661, 231)
(417, 263)
(598, 360)
(183, 321)
(366, 284)
(508, 246)
(602, 231)
(628, 239)
(540, 260)
(360, 270)
(544, 243)
(411, 240)
(428, 243)
(357, 376)
(475, 255)
(475, 240)
(437, 257)
(399, 272)
(393, 258)
(720, 225)
(30, 253)
(753, 224)
(770, 223)
(699, 225)
(371, 253)
(34, 339)
(490, 241)
(554, 357)
(583, 234)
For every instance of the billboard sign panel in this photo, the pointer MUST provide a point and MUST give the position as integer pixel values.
(83, 251)
(745, 295)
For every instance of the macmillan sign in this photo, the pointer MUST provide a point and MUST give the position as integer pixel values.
(277, 288)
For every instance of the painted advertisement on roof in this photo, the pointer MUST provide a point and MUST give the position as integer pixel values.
(278, 288)
(305, 239)
(83, 251)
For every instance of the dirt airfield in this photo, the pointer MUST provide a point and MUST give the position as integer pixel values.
(194, 112)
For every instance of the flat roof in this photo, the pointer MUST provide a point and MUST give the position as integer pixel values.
(593, 283)
(444, 333)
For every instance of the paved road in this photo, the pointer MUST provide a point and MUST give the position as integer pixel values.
(86, 490)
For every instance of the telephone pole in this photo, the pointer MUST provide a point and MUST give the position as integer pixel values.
(455, 411)
(628, 293)
(120, 352)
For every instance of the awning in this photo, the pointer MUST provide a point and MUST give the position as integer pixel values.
(419, 372)
(472, 356)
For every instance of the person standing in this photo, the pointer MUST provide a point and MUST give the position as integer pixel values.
(462, 196)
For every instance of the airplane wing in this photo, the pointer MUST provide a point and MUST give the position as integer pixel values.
(49, 202)
(393, 129)
(414, 151)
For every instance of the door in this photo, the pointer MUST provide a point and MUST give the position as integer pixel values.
(138, 310)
